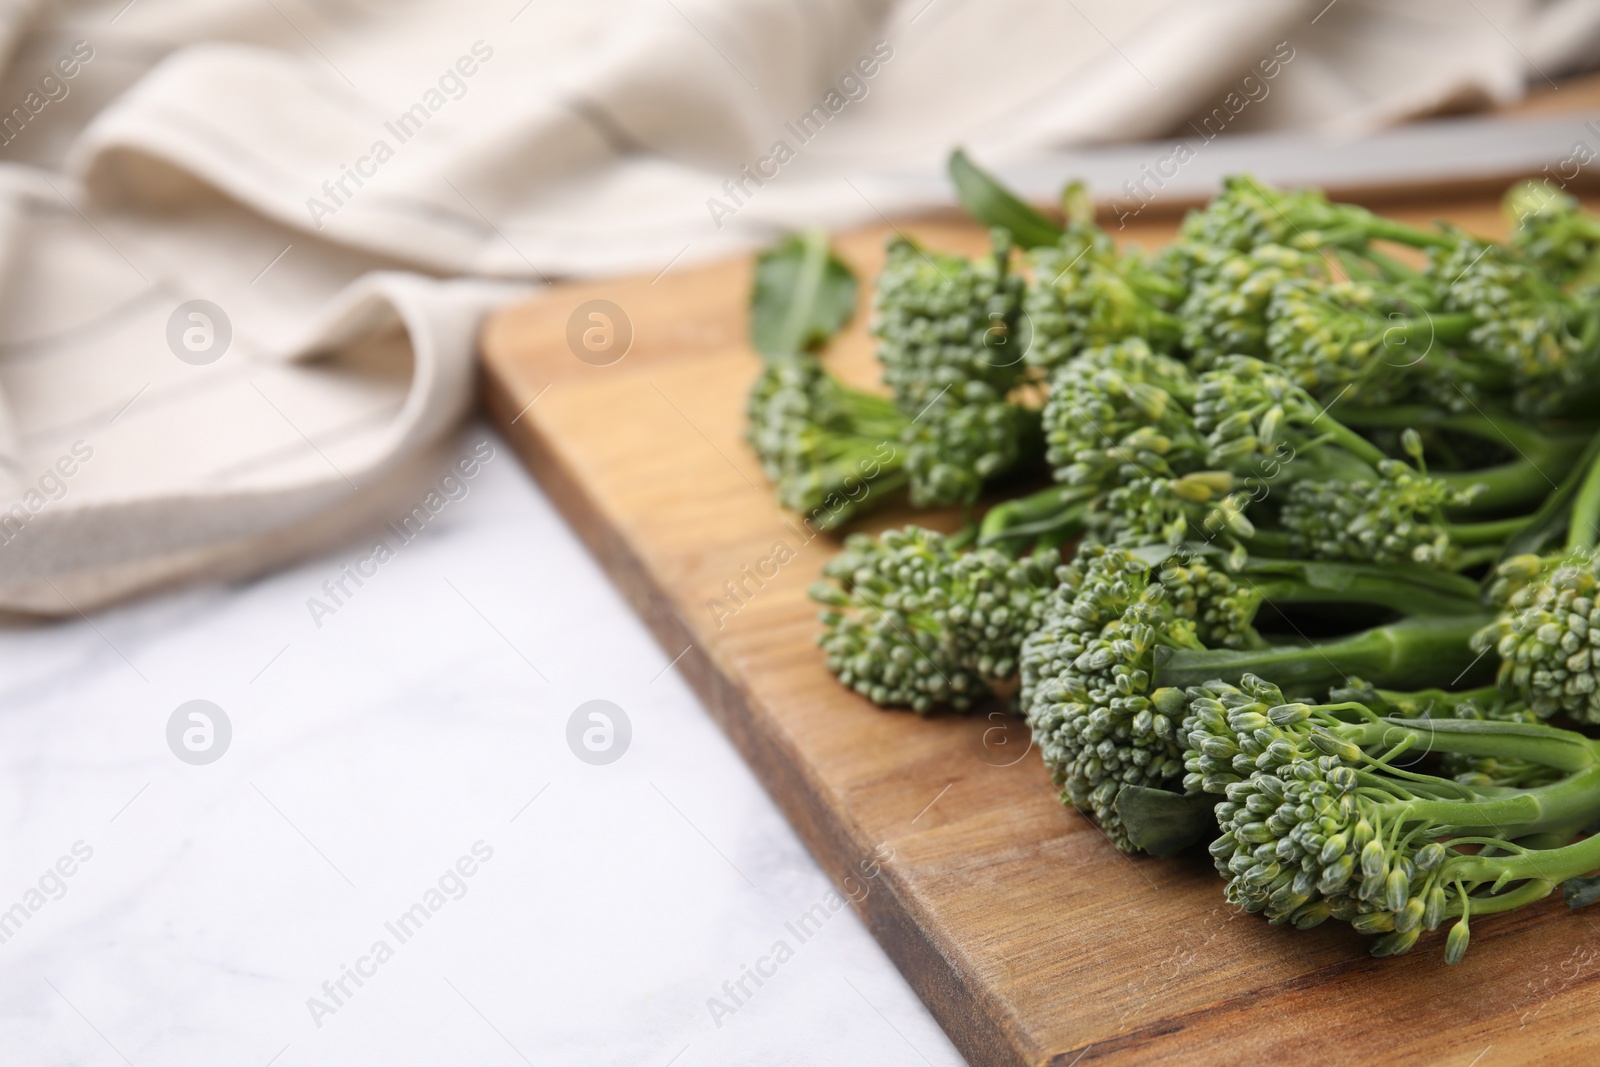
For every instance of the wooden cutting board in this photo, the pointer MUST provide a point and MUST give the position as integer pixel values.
(1030, 938)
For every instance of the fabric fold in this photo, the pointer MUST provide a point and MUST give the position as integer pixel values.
(244, 248)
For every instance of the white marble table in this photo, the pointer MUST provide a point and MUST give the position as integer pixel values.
(421, 726)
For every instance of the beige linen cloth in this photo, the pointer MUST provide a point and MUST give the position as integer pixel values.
(346, 186)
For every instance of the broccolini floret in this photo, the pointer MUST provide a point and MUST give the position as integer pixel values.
(1547, 634)
(1317, 823)
(949, 342)
(1248, 214)
(943, 320)
(825, 446)
(1085, 686)
(1086, 293)
(1520, 323)
(1227, 311)
(1202, 506)
(1117, 404)
(1399, 518)
(1356, 341)
(1148, 453)
(1119, 639)
(1555, 234)
(912, 620)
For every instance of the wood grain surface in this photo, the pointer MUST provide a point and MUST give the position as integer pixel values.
(1030, 938)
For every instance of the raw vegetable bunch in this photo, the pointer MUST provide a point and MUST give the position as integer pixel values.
(1314, 580)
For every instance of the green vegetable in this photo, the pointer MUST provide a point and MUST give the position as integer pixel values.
(1103, 671)
(1555, 235)
(1247, 214)
(912, 620)
(1519, 323)
(1318, 496)
(1548, 629)
(1150, 453)
(1489, 703)
(1086, 293)
(830, 450)
(948, 339)
(1227, 311)
(1318, 823)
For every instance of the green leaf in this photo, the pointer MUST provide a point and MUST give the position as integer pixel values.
(993, 205)
(803, 295)
(1164, 823)
(1581, 891)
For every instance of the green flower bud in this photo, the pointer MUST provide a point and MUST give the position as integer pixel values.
(1373, 922)
(1410, 917)
(1332, 745)
(1170, 701)
(1332, 849)
(1395, 944)
(1374, 865)
(1336, 875)
(1430, 856)
(1433, 914)
(1289, 714)
(1411, 442)
(1396, 889)
(1455, 944)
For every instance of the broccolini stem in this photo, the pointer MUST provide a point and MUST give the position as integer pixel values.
(1439, 703)
(1447, 329)
(1067, 525)
(1518, 483)
(1488, 533)
(1493, 378)
(962, 538)
(1413, 652)
(1390, 269)
(1574, 801)
(1154, 283)
(1059, 506)
(1548, 746)
(1495, 815)
(1162, 330)
(871, 405)
(1379, 228)
(1374, 589)
(1583, 528)
(1548, 867)
(1331, 575)
(1496, 429)
(1541, 456)
(1478, 556)
(1269, 543)
(1351, 441)
(1530, 891)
